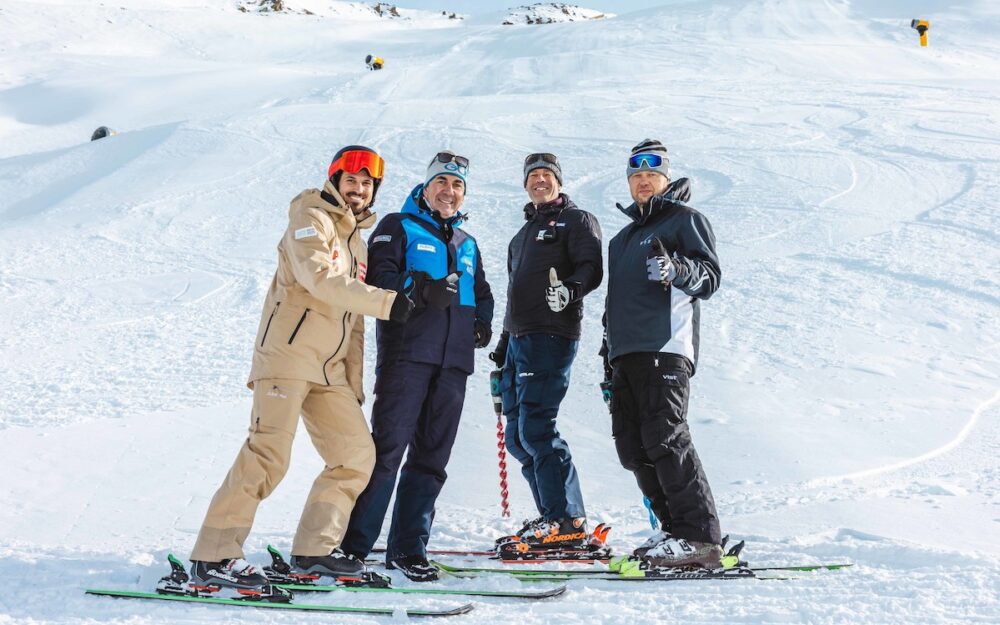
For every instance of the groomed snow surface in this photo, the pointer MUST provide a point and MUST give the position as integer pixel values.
(847, 404)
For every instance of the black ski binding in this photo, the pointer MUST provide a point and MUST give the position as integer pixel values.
(280, 572)
(175, 583)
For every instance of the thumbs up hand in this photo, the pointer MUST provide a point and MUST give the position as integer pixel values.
(659, 267)
(557, 294)
(439, 293)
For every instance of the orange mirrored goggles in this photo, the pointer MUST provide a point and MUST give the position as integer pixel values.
(354, 161)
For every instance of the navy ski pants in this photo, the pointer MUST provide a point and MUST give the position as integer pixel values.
(536, 378)
(417, 406)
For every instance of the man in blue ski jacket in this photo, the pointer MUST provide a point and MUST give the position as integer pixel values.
(422, 365)
(660, 266)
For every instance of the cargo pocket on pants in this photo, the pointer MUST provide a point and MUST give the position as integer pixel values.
(668, 396)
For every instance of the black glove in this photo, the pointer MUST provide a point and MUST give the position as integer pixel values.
(424, 290)
(499, 355)
(439, 293)
(608, 372)
(483, 334)
(402, 306)
(606, 393)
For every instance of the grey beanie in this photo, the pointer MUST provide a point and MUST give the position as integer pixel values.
(451, 168)
(650, 146)
(539, 161)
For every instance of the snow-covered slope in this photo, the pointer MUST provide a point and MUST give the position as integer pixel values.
(847, 404)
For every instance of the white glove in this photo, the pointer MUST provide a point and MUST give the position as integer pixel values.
(556, 295)
(659, 267)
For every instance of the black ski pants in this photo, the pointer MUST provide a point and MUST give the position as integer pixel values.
(649, 406)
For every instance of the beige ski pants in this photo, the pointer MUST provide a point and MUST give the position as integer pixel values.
(340, 434)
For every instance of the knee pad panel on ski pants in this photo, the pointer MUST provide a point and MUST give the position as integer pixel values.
(664, 422)
(539, 399)
(339, 432)
(274, 418)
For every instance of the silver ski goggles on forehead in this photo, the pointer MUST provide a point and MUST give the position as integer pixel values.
(543, 157)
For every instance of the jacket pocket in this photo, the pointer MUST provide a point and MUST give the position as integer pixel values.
(298, 326)
(267, 327)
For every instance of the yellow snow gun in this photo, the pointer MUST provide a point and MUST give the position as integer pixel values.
(921, 26)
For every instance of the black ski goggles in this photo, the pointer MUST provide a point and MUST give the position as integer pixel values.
(544, 157)
(448, 157)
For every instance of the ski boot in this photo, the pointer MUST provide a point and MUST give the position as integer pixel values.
(415, 567)
(232, 578)
(563, 539)
(519, 534)
(281, 572)
(652, 541)
(676, 552)
(695, 561)
(637, 565)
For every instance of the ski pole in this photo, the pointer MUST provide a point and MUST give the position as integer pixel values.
(495, 377)
(653, 521)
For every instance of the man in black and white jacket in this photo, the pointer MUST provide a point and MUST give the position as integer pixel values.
(660, 266)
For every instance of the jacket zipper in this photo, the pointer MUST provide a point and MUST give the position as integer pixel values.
(298, 325)
(268, 326)
(343, 321)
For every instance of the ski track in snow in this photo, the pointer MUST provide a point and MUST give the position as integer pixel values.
(847, 406)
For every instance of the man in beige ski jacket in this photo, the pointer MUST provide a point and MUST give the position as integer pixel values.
(308, 359)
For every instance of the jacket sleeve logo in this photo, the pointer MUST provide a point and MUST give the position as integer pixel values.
(305, 233)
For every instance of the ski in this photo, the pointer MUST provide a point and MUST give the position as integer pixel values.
(280, 574)
(564, 574)
(127, 594)
(448, 552)
(510, 550)
(508, 594)
(804, 568)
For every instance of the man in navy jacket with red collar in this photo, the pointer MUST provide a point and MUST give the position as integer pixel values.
(423, 364)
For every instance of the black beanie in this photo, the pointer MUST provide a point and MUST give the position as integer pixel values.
(539, 162)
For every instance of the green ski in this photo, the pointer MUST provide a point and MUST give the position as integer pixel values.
(127, 594)
(510, 594)
(280, 574)
(564, 574)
